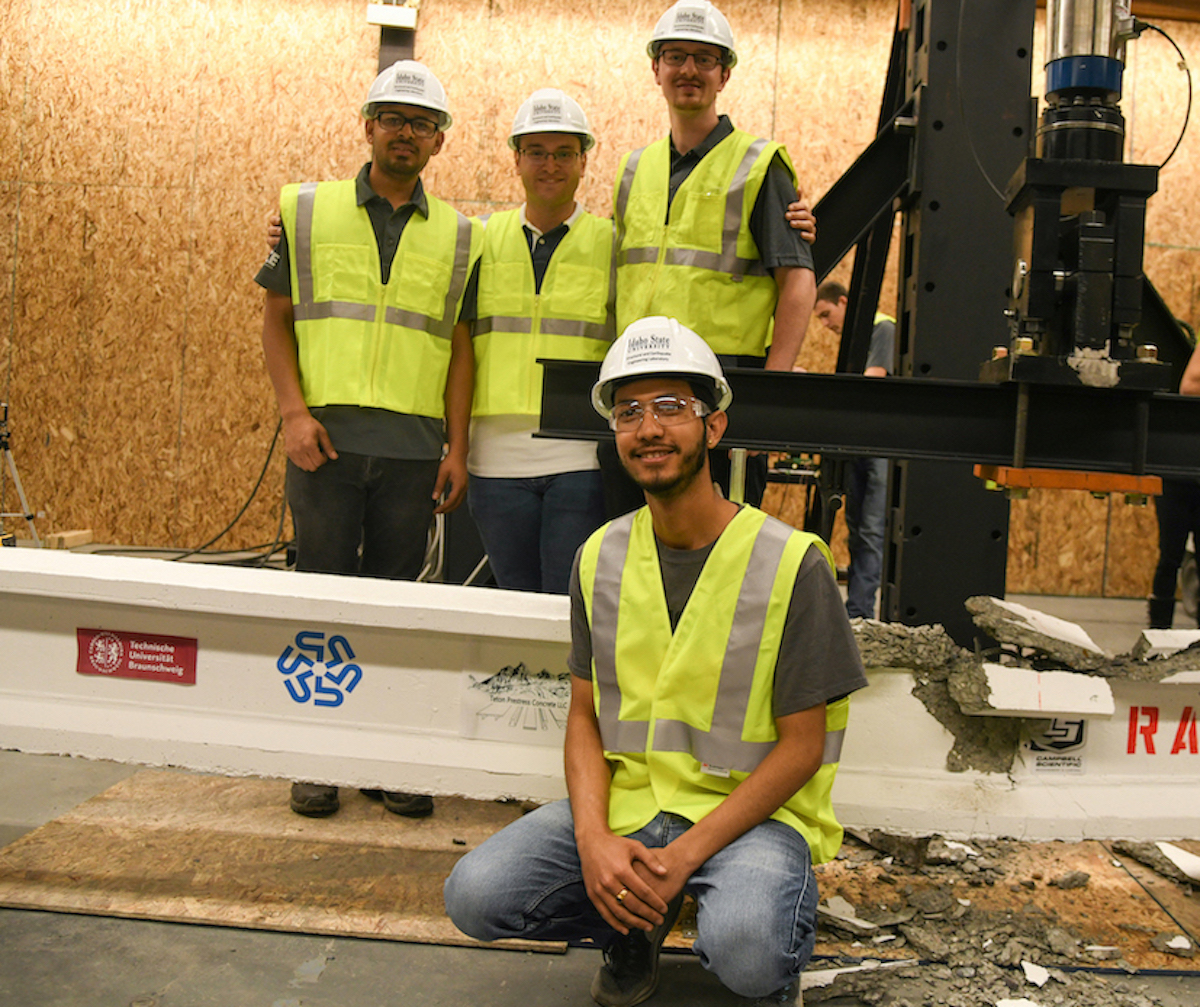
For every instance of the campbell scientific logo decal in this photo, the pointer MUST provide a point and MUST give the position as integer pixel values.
(117, 654)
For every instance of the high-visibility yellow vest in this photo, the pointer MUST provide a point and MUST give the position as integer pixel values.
(571, 319)
(881, 317)
(686, 716)
(701, 266)
(362, 342)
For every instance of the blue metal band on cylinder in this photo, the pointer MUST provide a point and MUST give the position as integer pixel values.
(1091, 73)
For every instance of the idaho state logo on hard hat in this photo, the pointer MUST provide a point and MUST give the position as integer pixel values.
(406, 82)
(690, 20)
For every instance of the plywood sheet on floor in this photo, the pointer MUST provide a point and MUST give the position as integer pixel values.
(229, 852)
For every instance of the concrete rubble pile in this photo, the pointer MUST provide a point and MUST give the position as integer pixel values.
(946, 949)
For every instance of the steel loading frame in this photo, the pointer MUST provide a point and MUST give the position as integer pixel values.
(956, 115)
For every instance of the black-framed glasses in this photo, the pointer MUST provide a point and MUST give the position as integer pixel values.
(561, 157)
(677, 57)
(668, 411)
(393, 122)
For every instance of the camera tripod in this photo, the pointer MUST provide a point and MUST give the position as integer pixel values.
(6, 451)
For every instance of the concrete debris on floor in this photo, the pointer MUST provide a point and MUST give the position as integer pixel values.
(998, 923)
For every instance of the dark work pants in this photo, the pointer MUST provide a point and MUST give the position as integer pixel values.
(379, 506)
(1178, 510)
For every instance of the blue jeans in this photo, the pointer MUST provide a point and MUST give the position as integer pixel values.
(866, 520)
(756, 900)
(531, 528)
(383, 505)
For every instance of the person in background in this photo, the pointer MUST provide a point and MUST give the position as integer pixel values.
(866, 494)
(1178, 512)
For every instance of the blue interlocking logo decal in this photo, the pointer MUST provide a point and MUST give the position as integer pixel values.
(326, 664)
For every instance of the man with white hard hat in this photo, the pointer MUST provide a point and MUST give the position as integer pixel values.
(726, 263)
(371, 368)
(711, 663)
(542, 290)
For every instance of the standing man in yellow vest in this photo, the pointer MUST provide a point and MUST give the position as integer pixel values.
(711, 664)
(371, 368)
(700, 218)
(542, 290)
(866, 495)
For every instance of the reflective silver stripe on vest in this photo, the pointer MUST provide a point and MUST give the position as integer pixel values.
(727, 260)
(442, 328)
(305, 310)
(458, 281)
(833, 746)
(550, 326)
(723, 745)
(571, 327)
(623, 193)
(717, 262)
(501, 323)
(617, 735)
(611, 306)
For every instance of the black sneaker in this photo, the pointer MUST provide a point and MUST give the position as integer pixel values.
(790, 994)
(314, 800)
(629, 974)
(408, 805)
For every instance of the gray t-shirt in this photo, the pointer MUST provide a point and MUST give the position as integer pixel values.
(818, 658)
(883, 346)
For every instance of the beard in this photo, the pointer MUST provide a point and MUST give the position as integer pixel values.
(667, 485)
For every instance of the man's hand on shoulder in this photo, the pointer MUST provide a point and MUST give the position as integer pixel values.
(614, 864)
(306, 441)
(798, 215)
(275, 228)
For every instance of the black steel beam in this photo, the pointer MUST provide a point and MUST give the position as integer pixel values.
(865, 192)
(1085, 429)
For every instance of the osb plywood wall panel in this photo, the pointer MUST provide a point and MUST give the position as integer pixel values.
(140, 153)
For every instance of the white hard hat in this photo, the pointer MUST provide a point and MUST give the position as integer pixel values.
(658, 346)
(408, 82)
(693, 21)
(549, 110)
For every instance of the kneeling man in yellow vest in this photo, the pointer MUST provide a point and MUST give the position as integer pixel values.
(711, 663)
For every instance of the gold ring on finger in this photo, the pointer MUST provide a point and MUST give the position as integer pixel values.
(621, 894)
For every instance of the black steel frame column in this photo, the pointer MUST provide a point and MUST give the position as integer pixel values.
(969, 74)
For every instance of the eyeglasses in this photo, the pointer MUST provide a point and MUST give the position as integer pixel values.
(668, 411)
(561, 157)
(393, 122)
(677, 57)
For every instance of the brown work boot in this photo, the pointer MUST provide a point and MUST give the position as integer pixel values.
(629, 974)
(314, 800)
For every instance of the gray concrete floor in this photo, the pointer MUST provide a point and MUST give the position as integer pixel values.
(64, 960)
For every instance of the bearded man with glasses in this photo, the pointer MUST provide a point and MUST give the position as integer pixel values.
(712, 663)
